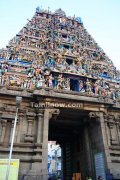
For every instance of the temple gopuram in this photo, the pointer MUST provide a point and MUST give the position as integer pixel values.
(70, 93)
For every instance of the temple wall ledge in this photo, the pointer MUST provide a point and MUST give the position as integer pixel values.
(114, 147)
(73, 95)
(37, 158)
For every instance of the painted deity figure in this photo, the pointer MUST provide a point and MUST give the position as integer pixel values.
(60, 82)
(97, 87)
(72, 68)
(67, 84)
(32, 84)
(39, 83)
(81, 86)
(19, 82)
(50, 81)
(28, 84)
(59, 64)
(25, 83)
(88, 87)
(2, 80)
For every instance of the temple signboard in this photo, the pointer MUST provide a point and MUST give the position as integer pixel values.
(14, 167)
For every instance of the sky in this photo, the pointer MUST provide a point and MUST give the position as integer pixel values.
(100, 18)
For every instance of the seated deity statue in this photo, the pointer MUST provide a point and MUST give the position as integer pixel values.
(50, 81)
(66, 84)
(81, 86)
(71, 68)
(46, 72)
(39, 83)
(88, 86)
(59, 65)
(60, 82)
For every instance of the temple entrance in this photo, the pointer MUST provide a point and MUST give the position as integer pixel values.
(80, 139)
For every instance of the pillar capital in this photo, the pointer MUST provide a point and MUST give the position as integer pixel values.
(53, 113)
(94, 114)
(40, 112)
(30, 114)
(117, 118)
(111, 119)
(3, 122)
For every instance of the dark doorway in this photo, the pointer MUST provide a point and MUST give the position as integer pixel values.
(74, 85)
(66, 46)
(64, 35)
(69, 61)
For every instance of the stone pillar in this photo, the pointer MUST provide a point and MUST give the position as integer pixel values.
(30, 125)
(87, 151)
(40, 159)
(113, 121)
(48, 113)
(29, 135)
(37, 158)
(11, 131)
(117, 127)
(107, 130)
(40, 119)
(105, 144)
(18, 130)
(99, 116)
(0, 125)
(118, 131)
(112, 124)
(45, 141)
(4, 124)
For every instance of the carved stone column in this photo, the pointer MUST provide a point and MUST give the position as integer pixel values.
(105, 143)
(4, 124)
(18, 129)
(112, 125)
(87, 151)
(102, 122)
(48, 114)
(41, 155)
(107, 129)
(40, 118)
(40, 159)
(37, 157)
(29, 136)
(117, 120)
(45, 140)
(11, 131)
(99, 116)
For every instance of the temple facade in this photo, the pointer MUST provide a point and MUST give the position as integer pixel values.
(71, 95)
